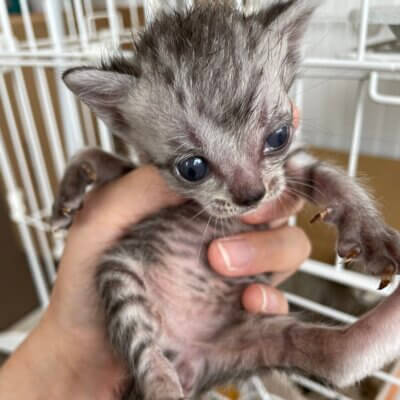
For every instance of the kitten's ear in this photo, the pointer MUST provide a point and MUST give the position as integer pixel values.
(287, 22)
(289, 17)
(102, 91)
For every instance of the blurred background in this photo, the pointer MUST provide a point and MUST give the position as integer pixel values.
(348, 92)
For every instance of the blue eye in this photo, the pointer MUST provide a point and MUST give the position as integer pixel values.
(193, 169)
(278, 139)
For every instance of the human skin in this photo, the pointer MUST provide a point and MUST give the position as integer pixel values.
(68, 354)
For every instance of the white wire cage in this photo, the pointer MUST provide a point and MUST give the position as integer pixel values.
(37, 138)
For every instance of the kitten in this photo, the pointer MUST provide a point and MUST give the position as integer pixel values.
(205, 99)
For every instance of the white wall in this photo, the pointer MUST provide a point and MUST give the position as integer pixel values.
(329, 106)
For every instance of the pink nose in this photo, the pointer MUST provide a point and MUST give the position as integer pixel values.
(250, 198)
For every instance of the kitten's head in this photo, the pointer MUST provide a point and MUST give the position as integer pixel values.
(205, 98)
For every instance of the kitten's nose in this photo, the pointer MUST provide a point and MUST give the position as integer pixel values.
(250, 199)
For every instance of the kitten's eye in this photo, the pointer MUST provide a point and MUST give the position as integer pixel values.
(278, 139)
(193, 169)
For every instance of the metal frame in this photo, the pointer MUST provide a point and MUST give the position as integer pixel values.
(30, 195)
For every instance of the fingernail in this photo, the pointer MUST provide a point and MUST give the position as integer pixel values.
(269, 300)
(264, 299)
(236, 253)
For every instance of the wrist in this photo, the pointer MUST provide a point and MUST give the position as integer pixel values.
(56, 365)
(90, 369)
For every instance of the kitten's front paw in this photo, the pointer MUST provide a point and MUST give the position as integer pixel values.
(364, 238)
(78, 177)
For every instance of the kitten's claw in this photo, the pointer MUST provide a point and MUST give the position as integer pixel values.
(386, 278)
(384, 284)
(90, 173)
(66, 211)
(61, 218)
(55, 230)
(364, 238)
(321, 216)
(72, 193)
(353, 254)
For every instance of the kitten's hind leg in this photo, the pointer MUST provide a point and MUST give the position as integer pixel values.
(134, 326)
(89, 167)
(339, 355)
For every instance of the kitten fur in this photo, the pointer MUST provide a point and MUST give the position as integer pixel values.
(213, 82)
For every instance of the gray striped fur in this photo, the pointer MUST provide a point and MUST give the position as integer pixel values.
(212, 81)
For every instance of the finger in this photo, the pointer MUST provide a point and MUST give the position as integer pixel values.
(264, 299)
(252, 253)
(111, 209)
(280, 209)
(127, 200)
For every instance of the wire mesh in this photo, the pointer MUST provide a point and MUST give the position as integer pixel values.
(78, 32)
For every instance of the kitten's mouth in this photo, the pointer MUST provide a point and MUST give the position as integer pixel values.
(222, 209)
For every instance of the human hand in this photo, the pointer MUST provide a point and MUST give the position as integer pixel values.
(69, 354)
(279, 251)
(78, 354)
(74, 311)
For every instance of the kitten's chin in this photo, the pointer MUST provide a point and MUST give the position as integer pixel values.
(226, 211)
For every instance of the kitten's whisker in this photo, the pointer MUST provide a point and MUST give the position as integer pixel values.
(297, 193)
(306, 185)
(203, 210)
(301, 194)
(300, 182)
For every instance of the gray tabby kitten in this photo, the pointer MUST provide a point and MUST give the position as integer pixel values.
(205, 99)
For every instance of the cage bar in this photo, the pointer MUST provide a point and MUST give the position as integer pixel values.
(69, 12)
(134, 14)
(357, 130)
(72, 128)
(380, 98)
(10, 182)
(89, 125)
(114, 24)
(106, 141)
(52, 130)
(362, 41)
(83, 33)
(318, 388)
(81, 46)
(25, 176)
